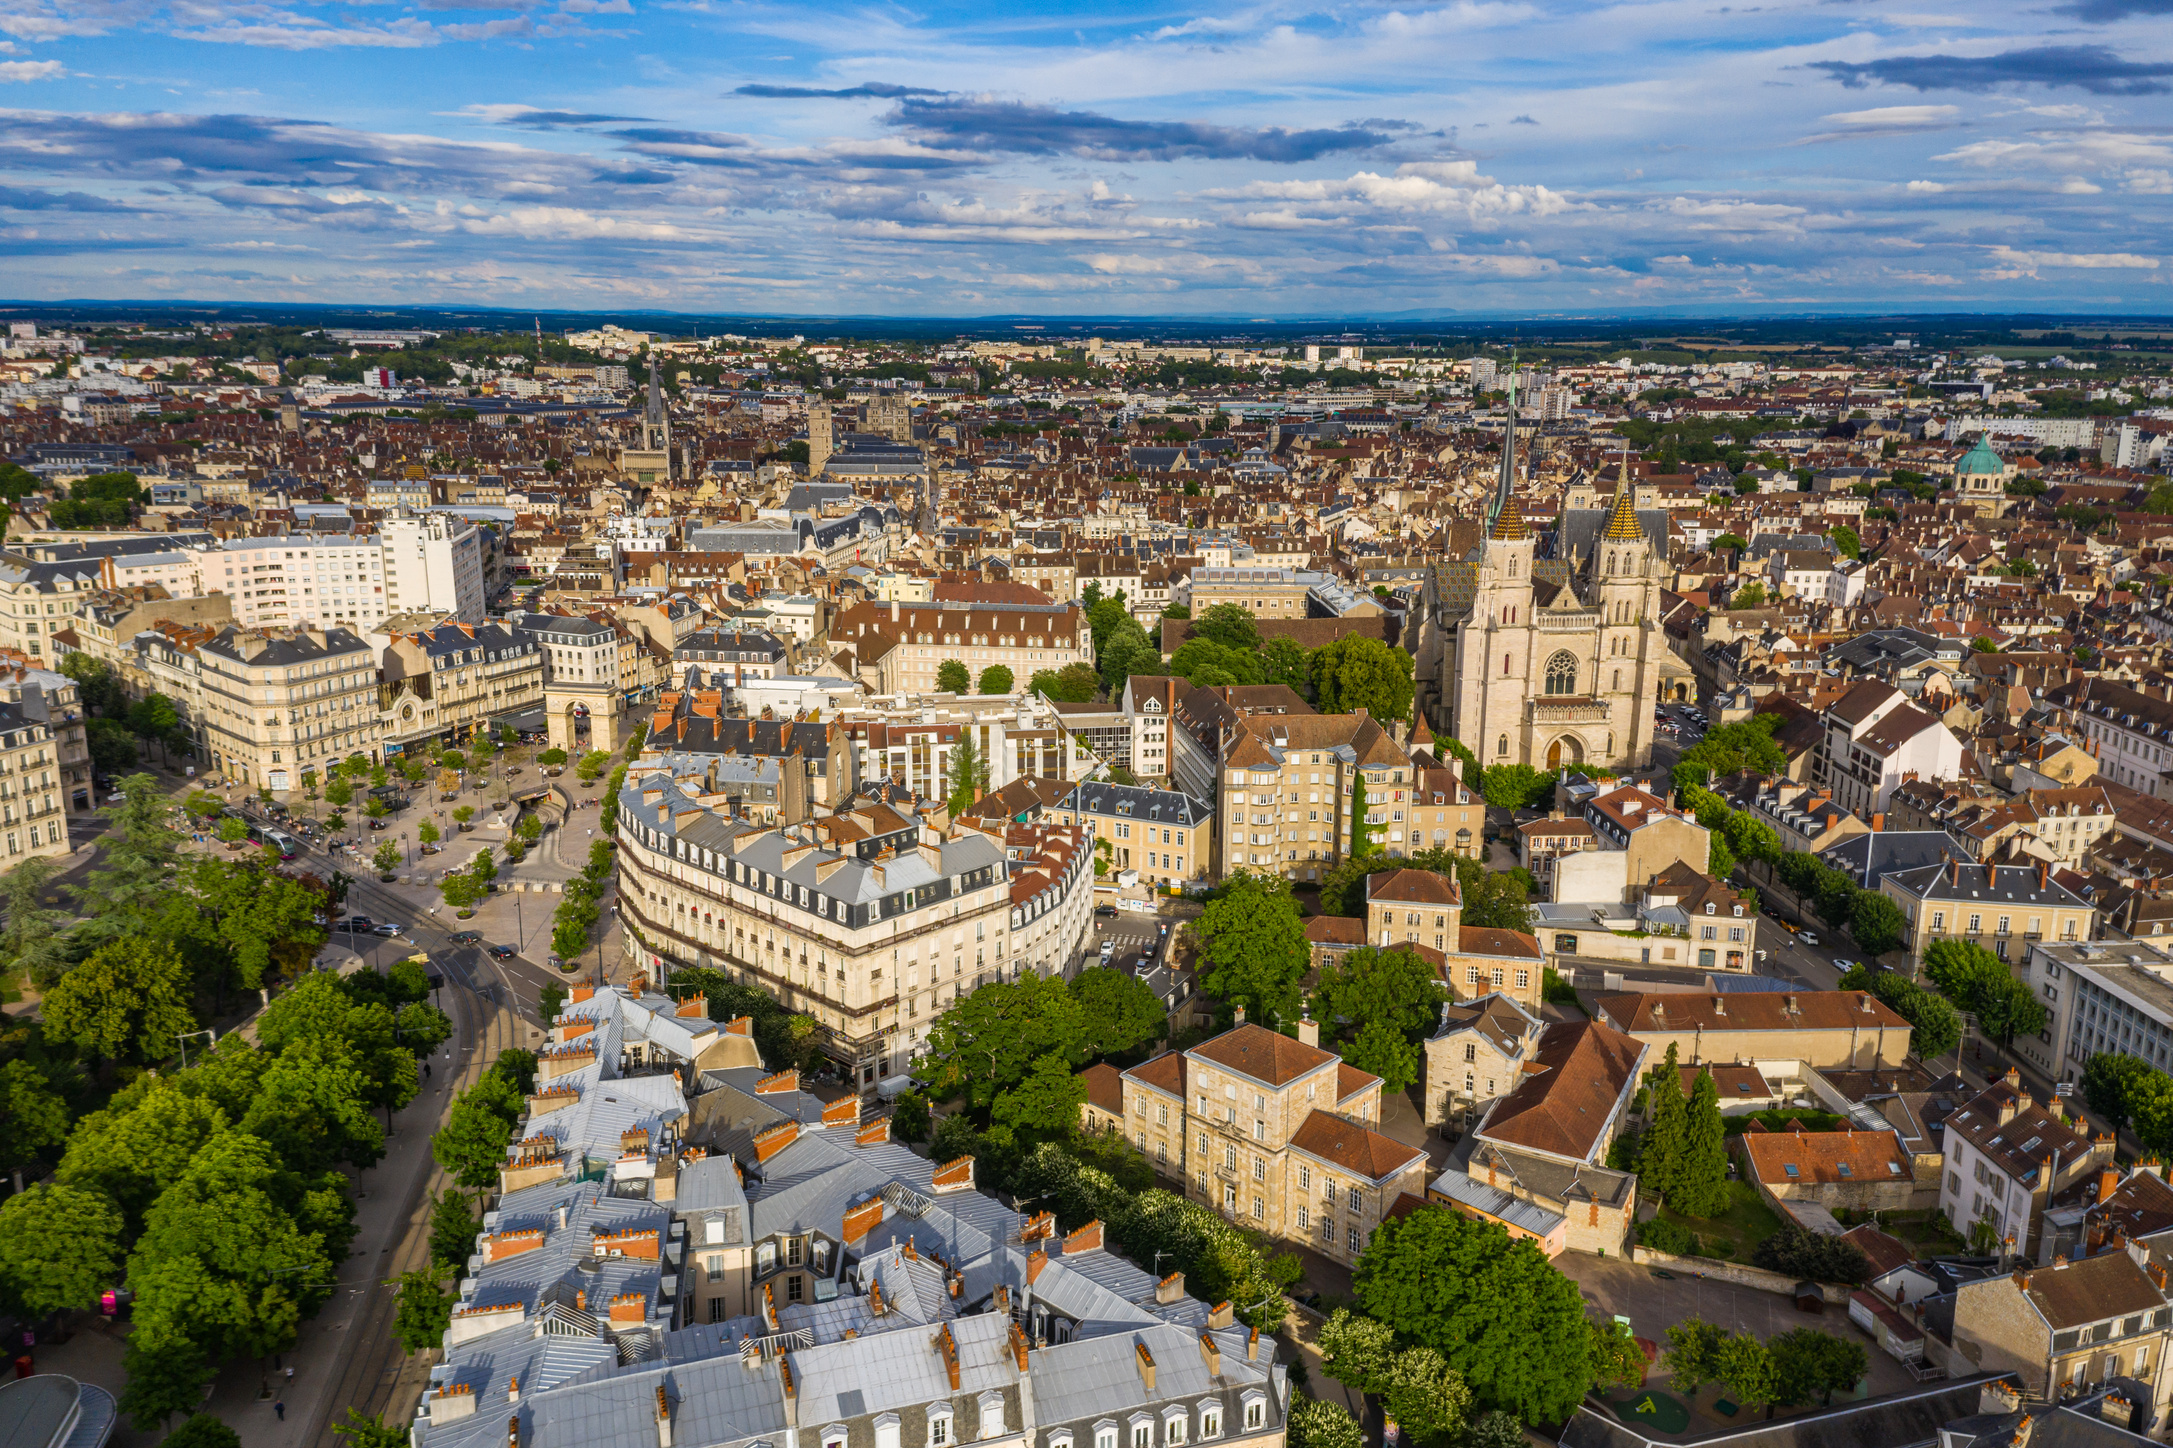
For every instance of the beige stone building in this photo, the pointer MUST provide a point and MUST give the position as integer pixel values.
(441, 680)
(899, 647)
(1423, 910)
(1828, 1030)
(868, 920)
(282, 702)
(2004, 908)
(1286, 791)
(1276, 1134)
(44, 763)
(2071, 1323)
(1561, 659)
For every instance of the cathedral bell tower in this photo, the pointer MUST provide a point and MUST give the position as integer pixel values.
(1624, 581)
(1494, 646)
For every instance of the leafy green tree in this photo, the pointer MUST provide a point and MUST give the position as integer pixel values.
(141, 853)
(1496, 1310)
(1877, 923)
(142, 1140)
(112, 744)
(1979, 982)
(33, 940)
(1318, 1423)
(461, 890)
(1616, 1357)
(987, 1041)
(1664, 1147)
(166, 1374)
(1495, 900)
(1845, 541)
(1811, 1366)
(952, 677)
(453, 1226)
(483, 867)
(968, 776)
(1362, 847)
(1935, 1027)
(1285, 661)
(425, 1309)
(1356, 1351)
(1802, 1253)
(1702, 1190)
(260, 916)
(2111, 1082)
(386, 857)
(428, 832)
(1516, 786)
(1072, 684)
(996, 679)
(472, 1144)
(1396, 988)
(96, 684)
(1205, 664)
(202, 1431)
(1356, 672)
(313, 1105)
(231, 831)
(154, 719)
(1120, 1011)
(1386, 1052)
(909, 1116)
(33, 1116)
(1045, 1103)
(1427, 1399)
(1495, 1430)
(1731, 748)
(129, 1002)
(60, 1246)
(1750, 595)
(1253, 942)
(362, 1431)
(1729, 543)
(1231, 625)
(552, 758)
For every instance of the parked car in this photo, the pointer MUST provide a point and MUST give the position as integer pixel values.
(1107, 912)
(1844, 966)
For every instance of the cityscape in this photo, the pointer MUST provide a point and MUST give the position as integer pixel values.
(736, 726)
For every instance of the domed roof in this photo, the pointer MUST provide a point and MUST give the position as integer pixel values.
(1980, 459)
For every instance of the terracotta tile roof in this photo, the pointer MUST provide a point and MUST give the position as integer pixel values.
(1801, 1010)
(1105, 1087)
(1413, 887)
(1570, 1086)
(2107, 1285)
(1352, 1147)
(1826, 1158)
(1165, 1072)
(1262, 1054)
(1483, 940)
(1883, 1252)
(2139, 1206)
(1335, 930)
(1349, 1081)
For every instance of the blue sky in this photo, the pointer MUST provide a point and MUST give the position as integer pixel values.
(1091, 157)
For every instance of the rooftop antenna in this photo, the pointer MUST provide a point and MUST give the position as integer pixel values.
(539, 341)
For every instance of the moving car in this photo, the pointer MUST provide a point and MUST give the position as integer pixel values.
(466, 937)
(503, 952)
(388, 929)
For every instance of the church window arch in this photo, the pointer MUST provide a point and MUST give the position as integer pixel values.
(1501, 746)
(1562, 673)
(1512, 566)
(1618, 681)
(1610, 744)
(1505, 664)
(1612, 559)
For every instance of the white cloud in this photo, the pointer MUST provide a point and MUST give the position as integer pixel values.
(31, 70)
(2088, 260)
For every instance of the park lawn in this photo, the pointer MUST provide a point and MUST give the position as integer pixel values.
(1747, 1222)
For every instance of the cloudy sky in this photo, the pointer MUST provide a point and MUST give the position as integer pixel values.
(1091, 156)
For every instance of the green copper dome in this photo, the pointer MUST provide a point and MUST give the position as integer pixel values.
(1980, 459)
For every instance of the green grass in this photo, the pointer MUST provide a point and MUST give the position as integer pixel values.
(1747, 1222)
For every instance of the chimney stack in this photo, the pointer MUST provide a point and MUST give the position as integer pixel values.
(663, 1419)
(1309, 1031)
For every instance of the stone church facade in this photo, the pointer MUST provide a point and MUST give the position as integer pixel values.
(1562, 658)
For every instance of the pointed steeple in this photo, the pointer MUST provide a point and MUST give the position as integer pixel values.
(1509, 524)
(1505, 485)
(1622, 524)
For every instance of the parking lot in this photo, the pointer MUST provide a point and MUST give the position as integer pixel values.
(1135, 936)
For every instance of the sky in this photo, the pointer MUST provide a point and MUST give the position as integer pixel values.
(1092, 157)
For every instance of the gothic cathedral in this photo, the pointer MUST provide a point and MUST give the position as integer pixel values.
(1559, 663)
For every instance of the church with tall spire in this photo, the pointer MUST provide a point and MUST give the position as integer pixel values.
(1561, 659)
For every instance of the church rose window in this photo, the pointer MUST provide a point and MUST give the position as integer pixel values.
(1562, 673)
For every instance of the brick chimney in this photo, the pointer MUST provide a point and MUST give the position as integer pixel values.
(663, 1419)
(873, 1133)
(1145, 1360)
(1087, 1239)
(1170, 1289)
(2108, 1183)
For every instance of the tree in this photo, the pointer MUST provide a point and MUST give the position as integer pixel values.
(472, 1144)
(1426, 1398)
(1385, 1052)
(1616, 1357)
(128, 1002)
(1877, 923)
(362, 1431)
(461, 890)
(33, 1116)
(1496, 1310)
(1397, 988)
(112, 744)
(968, 776)
(1072, 684)
(1206, 664)
(202, 1431)
(1805, 1254)
(453, 1226)
(1845, 541)
(465, 813)
(1496, 900)
(2112, 1082)
(1285, 661)
(1702, 1188)
(909, 1116)
(386, 857)
(166, 1374)
(1356, 1351)
(1979, 982)
(153, 718)
(1361, 846)
(422, 1028)
(60, 1246)
(428, 832)
(1356, 672)
(552, 758)
(1729, 543)
(996, 679)
(1120, 1011)
(1231, 625)
(1811, 1366)
(1253, 941)
(1045, 1103)
(425, 1309)
(96, 685)
(952, 677)
(1750, 595)
(1515, 786)
(1665, 1144)
(987, 1041)
(231, 831)
(1318, 1423)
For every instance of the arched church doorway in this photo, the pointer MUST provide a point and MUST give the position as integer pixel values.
(1565, 750)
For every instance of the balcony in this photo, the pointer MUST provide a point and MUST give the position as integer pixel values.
(1568, 709)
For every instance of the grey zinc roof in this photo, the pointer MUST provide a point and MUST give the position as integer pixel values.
(607, 1108)
(709, 1185)
(489, 1365)
(1098, 1377)
(566, 1260)
(717, 1402)
(895, 1370)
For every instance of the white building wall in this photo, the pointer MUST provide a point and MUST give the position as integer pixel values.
(434, 563)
